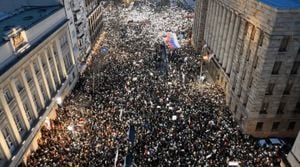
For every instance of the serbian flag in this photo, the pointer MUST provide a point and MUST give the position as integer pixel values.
(171, 41)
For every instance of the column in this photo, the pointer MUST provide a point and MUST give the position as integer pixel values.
(71, 48)
(224, 35)
(214, 25)
(55, 64)
(209, 35)
(238, 49)
(61, 59)
(228, 40)
(243, 58)
(27, 89)
(217, 26)
(37, 86)
(20, 104)
(233, 44)
(220, 32)
(4, 147)
(45, 82)
(10, 118)
(208, 20)
(50, 71)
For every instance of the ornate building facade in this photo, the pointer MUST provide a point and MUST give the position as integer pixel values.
(38, 69)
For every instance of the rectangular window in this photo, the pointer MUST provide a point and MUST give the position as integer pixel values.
(281, 108)
(19, 85)
(235, 109)
(270, 88)
(246, 101)
(275, 126)
(292, 125)
(27, 111)
(8, 138)
(276, 67)
(259, 126)
(284, 44)
(264, 108)
(28, 76)
(250, 82)
(8, 96)
(261, 39)
(295, 67)
(36, 68)
(253, 33)
(248, 55)
(19, 124)
(255, 62)
(288, 88)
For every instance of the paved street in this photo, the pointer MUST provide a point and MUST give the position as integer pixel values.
(146, 105)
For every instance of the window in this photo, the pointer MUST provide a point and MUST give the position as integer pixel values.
(259, 126)
(281, 108)
(19, 123)
(291, 125)
(288, 88)
(235, 109)
(8, 138)
(28, 76)
(270, 88)
(253, 33)
(284, 44)
(248, 55)
(276, 67)
(295, 67)
(275, 126)
(264, 108)
(19, 85)
(244, 74)
(246, 101)
(27, 111)
(250, 82)
(297, 108)
(36, 68)
(261, 39)
(255, 61)
(8, 96)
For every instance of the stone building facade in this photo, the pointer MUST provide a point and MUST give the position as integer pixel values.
(37, 70)
(94, 11)
(256, 46)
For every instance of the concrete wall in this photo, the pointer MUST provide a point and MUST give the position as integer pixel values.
(245, 36)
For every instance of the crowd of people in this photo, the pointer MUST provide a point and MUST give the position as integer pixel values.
(175, 123)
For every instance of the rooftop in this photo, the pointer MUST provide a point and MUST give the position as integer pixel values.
(25, 18)
(282, 4)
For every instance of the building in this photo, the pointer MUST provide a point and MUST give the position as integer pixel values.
(294, 155)
(95, 18)
(37, 70)
(86, 17)
(76, 13)
(256, 48)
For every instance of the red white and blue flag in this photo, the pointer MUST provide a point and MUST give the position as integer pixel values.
(171, 41)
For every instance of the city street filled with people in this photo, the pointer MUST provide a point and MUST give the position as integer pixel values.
(136, 107)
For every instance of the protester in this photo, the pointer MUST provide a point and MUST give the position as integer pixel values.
(175, 122)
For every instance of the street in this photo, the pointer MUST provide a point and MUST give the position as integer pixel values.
(143, 104)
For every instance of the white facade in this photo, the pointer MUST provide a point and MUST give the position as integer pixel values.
(37, 67)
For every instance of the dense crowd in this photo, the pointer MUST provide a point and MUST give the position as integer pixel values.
(175, 122)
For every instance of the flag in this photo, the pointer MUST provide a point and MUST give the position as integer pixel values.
(171, 41)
